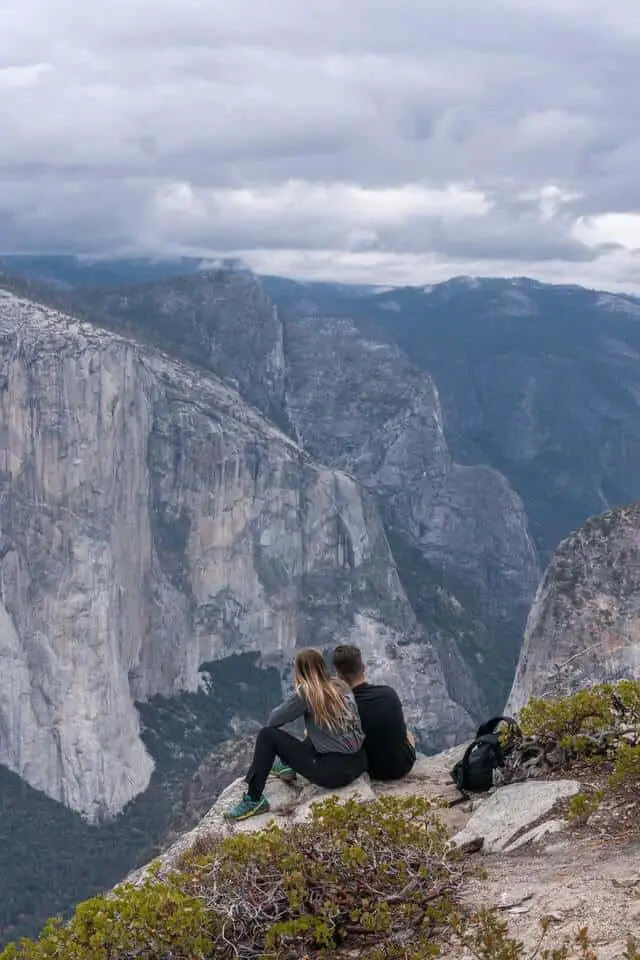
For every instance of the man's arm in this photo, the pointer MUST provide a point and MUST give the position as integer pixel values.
(287, 712)
(396, 706)
(411, 740)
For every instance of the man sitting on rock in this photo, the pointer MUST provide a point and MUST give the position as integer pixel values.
(389, 746)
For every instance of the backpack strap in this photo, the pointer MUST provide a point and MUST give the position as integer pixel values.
(461, 799)
(490, 725)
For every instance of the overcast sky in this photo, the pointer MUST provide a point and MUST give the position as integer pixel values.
(370, 140)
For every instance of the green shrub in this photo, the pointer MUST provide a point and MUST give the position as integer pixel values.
(363, 873)
(572, 722)
(359, 872)
(601, 723)
(633, 950)
(627, 765)
(583, 805)
(148, 922)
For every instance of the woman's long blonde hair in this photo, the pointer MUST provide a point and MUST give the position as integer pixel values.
(322, 693)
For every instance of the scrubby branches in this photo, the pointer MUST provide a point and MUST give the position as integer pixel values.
(604, 710)
(358, 872)
(594, 723)
(361, 874)
(486, 937)
(156, 921)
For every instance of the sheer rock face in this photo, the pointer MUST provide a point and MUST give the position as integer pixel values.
(150, 521)
(362, 406)
(220, 319)
(358, 404)
(584, 626)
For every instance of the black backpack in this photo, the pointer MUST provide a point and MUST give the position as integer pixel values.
(475, 771)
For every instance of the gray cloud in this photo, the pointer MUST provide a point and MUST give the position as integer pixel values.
(378, 140)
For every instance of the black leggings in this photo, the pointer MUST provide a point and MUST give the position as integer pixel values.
(329, 770)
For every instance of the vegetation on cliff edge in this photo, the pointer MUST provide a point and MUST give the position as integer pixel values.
(599, 725)
(377, 879)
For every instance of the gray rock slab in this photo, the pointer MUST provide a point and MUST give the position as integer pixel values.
(511, 810)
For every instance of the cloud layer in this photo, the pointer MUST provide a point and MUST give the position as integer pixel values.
(379, 140)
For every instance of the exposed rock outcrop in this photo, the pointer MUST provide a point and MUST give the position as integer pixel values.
(152, 521)
(291, 802)
(584, 626)
(535, 865)
(501, 820)
(518, 814)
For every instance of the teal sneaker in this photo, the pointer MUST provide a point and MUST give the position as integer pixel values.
(283, 772)
(247, 807)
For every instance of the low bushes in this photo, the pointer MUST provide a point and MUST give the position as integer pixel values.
(601, 725)
(588, 721)
(378, 879)
(355, 873)
(156, 920)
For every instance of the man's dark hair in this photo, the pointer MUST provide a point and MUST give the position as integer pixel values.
(347, 661)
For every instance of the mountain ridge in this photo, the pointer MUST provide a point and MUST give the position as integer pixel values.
(505, 367)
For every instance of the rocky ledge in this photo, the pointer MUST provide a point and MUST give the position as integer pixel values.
(501, 819)
(499, 865)
(537, 865)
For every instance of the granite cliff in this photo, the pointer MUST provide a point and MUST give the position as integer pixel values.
(152, 521)
(584, 626)
(352, 400)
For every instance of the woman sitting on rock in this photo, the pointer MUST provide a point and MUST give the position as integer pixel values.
(330, 756)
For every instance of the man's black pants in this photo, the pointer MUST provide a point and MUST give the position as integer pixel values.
(394, 767)
(329, 770)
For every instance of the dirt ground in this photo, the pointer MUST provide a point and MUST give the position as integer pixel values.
(587, 875)
(579, 880)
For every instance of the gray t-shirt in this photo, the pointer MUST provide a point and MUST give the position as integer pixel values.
(324, 740)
